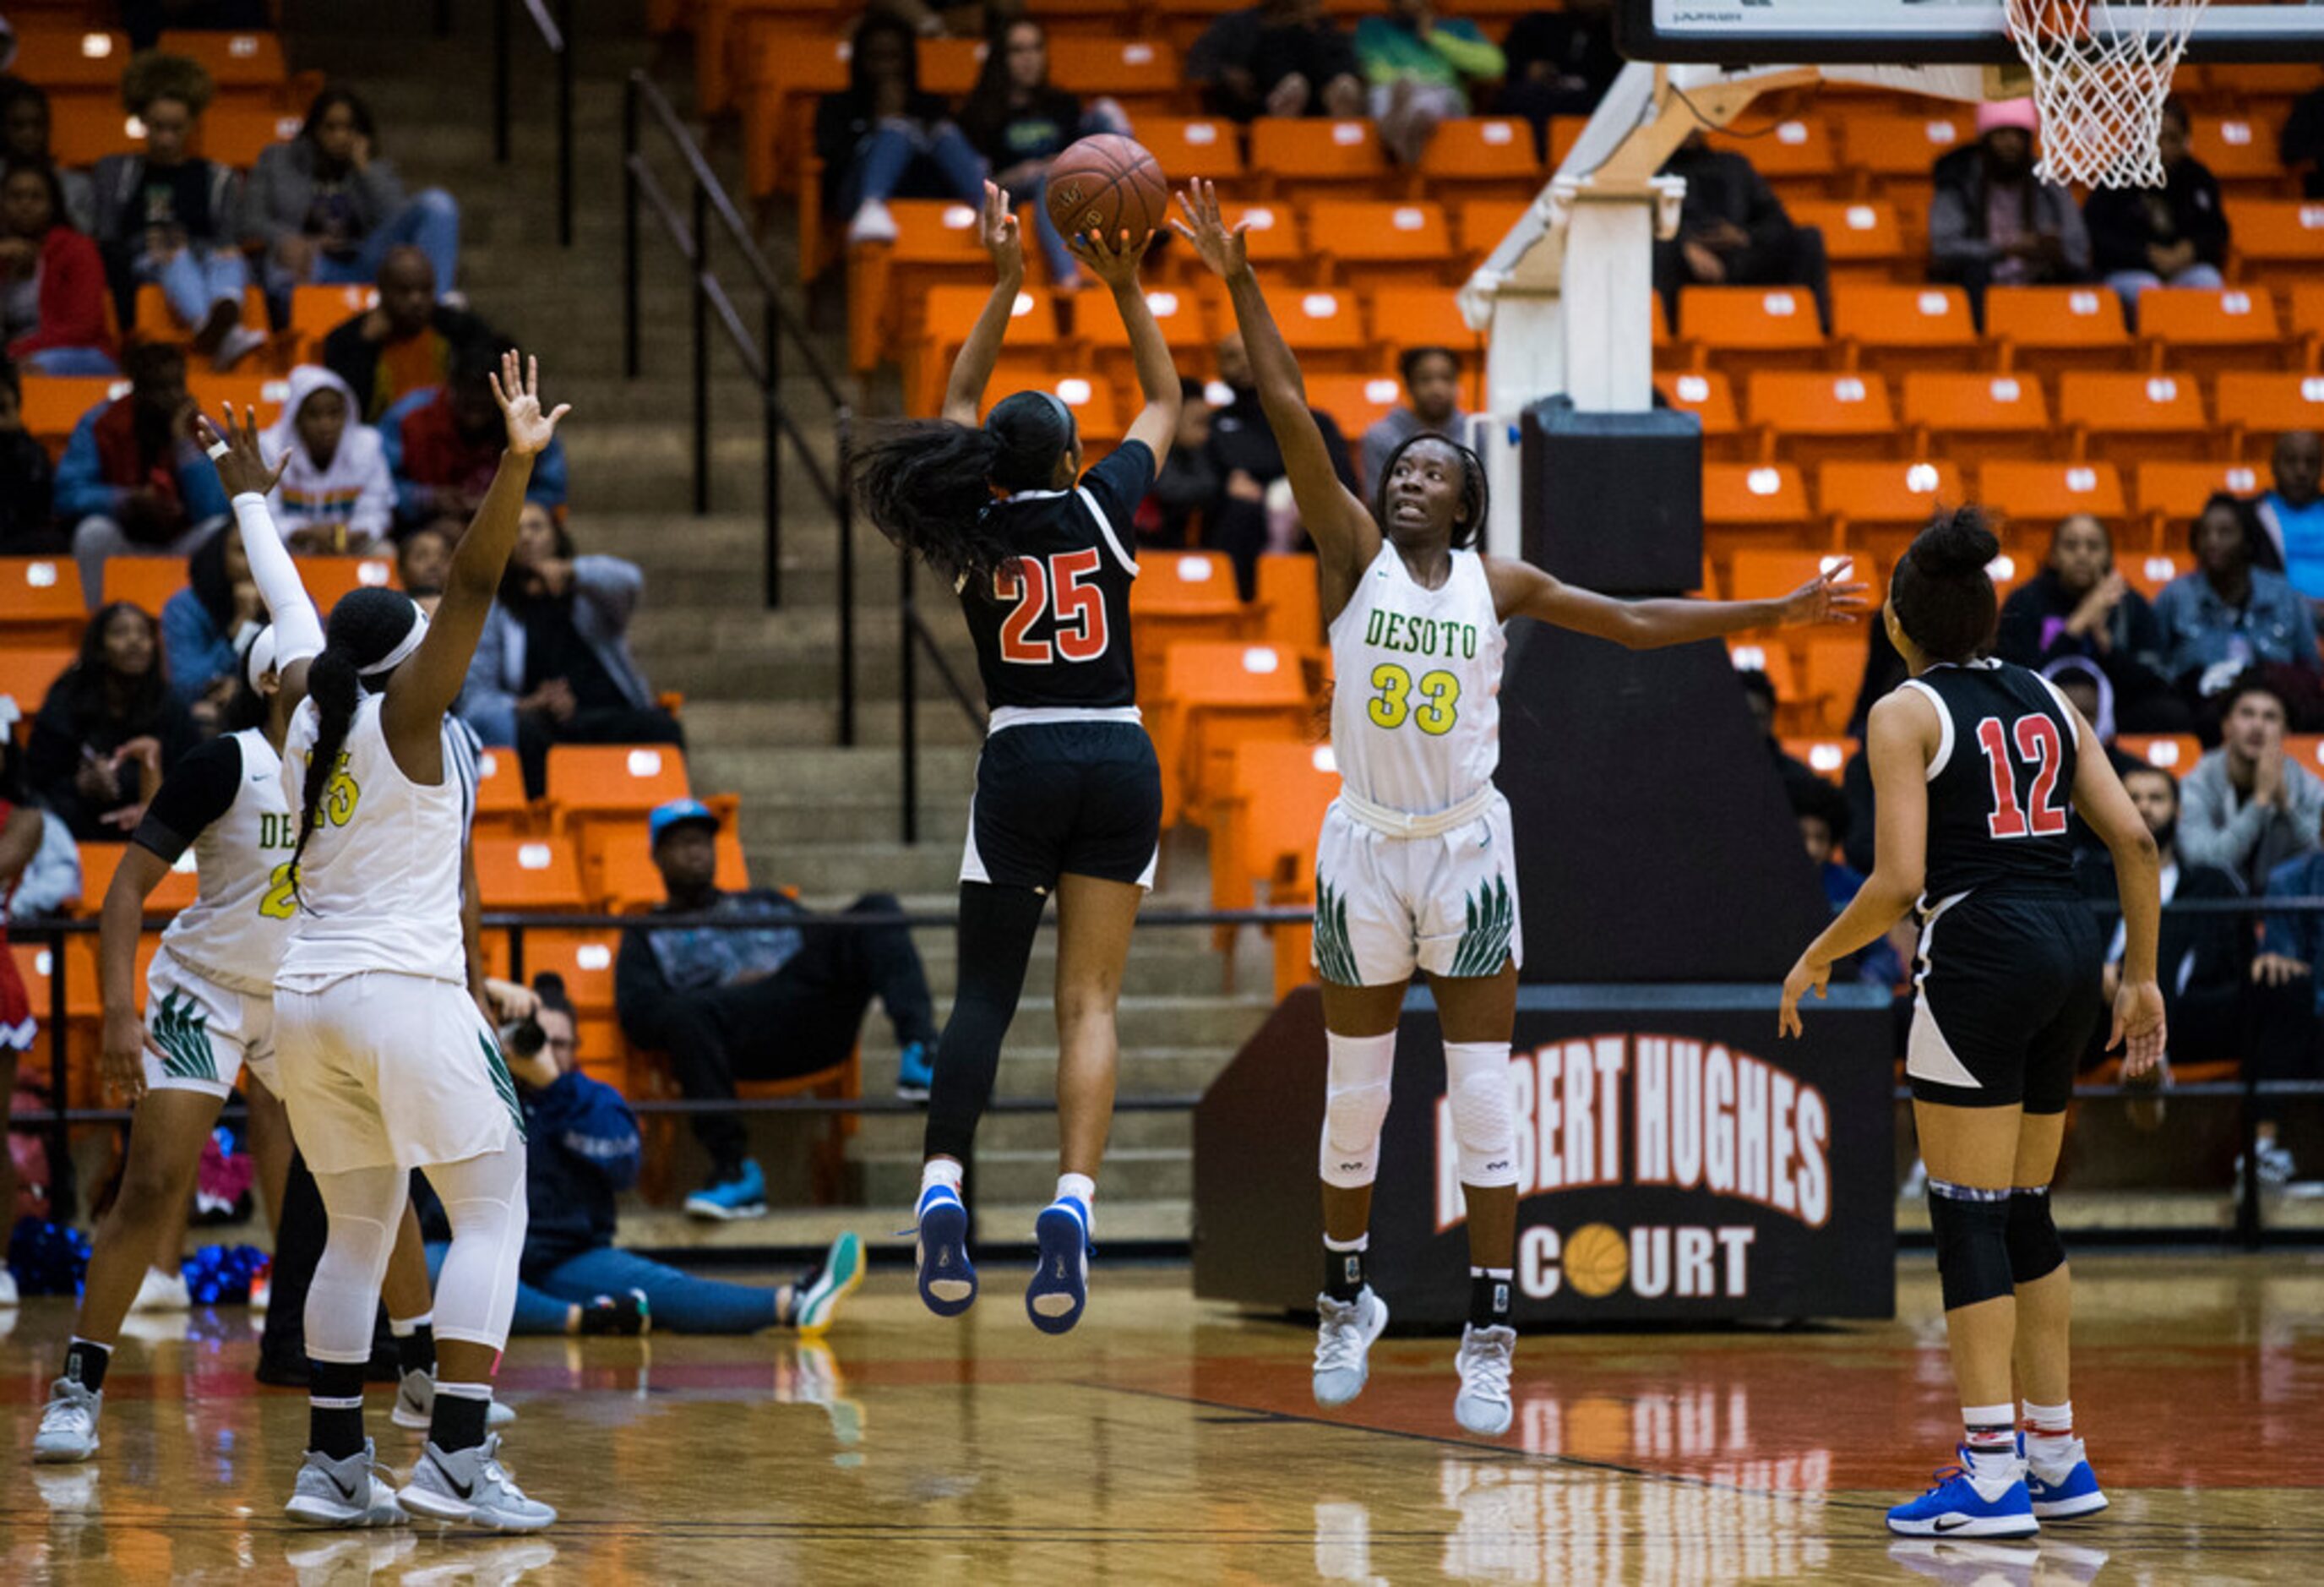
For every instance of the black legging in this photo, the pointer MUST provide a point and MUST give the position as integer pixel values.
(997, 925)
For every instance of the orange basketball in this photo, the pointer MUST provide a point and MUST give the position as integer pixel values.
(1108, 184)
(1596, 1260)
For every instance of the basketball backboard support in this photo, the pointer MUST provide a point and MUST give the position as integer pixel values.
(1925, 31)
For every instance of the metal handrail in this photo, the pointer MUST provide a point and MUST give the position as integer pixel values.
(557, 32)
(916, 636)
(783, 336)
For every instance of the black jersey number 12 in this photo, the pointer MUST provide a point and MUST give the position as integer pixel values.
(2037, 745)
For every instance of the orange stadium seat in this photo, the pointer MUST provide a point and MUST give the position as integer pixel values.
(2174, 493)
(1877, 507)
(1267, 834)
(99, 860)
(2174, 752)
(155, 323)
(887, 285)
(1863, 238)
(1977, 415)
(1219, 695)
(1097, 416)
(317, 312)
(1186, 329)
(62, 60)
(328, 578)
(2241, 153)
(2148, 574)
(1144, 75)
(501, 803)
(950, 314)
(2279, 238)
(1832, 671)
(2058, 327)
(782, 70)
(1893, 153)
(1827, 757)
(1324, 328)
(538, 873)
(585, 958)
(1301, 159)
(614, 779)
(727, 39)
(1889, 328)
(237, 134)
(2307, 749)
(2195, 328)
(1765, 575)
(2035, 495)
(244, 61)
(1357, 401)
(147, 582)
(1480, 223)
(1806, 416)
(1741, 499)
(25, 674)
(2127, 417)
(1481, 157)
(2307, 300)
(1181, 595)
(1208, 147)
(1427, 316)
(84, 128)
(1796, 157)
(1271, 236)
(41, 602)
(1373, 243)
(1707, 395)
(55, 403)
(949, 66)
(2254, 407)
(1766, 327)
(1293, 601)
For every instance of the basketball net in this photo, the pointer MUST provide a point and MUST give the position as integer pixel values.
(2100, 87)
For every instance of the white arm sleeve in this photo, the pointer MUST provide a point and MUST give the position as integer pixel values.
(298, 631)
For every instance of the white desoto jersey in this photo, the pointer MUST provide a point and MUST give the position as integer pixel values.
(233, 933)
(1416, 712)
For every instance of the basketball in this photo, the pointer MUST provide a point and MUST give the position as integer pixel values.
(1596, 1260)
(1108, 184)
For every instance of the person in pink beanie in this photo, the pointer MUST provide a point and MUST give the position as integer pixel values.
(1993, 222)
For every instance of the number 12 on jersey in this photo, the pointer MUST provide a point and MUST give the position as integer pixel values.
(2038, 745)
(1058, 583)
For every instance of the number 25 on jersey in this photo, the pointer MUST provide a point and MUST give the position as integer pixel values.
(2038, 746)
(1058, 585)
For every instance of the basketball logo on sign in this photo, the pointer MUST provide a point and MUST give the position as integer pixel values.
(1597, 1260)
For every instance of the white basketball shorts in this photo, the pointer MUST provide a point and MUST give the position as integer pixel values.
(200, 1036)
(1446, 903)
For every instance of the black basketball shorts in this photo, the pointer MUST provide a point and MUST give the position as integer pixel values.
(2009, 990)
(1058, 797)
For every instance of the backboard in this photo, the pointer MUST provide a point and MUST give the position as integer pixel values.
(1920, 31)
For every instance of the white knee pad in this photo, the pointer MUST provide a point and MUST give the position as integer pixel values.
(484, 1200)
(1355, 1106)
(365, 1207)
(1484, 1111)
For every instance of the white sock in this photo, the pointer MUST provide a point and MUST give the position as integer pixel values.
(1082, 1189)
(2049, 1435)
(1360, 1243)
(405, 1327)
(938, 1171)
(1991, 1442)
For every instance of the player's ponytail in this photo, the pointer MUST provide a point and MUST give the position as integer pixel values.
(927, 483)
(1940, 590)
(367, 627)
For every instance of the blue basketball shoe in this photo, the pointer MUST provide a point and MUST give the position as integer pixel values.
(2073, 1494)
(948, 1278)
(1959, 1506)
(1060, 1287)
(915, 1071)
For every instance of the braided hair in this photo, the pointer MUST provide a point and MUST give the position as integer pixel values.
(1476, 494)
(1941, 591)
(927, 483)
(366, 626)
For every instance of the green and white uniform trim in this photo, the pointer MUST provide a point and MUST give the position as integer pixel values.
(1388, 904)
(200, 1036)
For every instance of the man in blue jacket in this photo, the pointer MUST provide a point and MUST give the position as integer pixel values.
(133, 482)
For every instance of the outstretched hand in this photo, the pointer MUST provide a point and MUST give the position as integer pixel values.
(998, 232)
(517, 389)
(1115, 262)
(1831, 596)
(242, 466)
(1219, 247)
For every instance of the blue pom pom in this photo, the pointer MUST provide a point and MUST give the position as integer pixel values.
(47, 1258)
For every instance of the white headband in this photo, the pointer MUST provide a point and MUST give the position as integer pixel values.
(259, 659)
(402, 652)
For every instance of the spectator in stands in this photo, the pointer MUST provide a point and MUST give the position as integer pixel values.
(2228, 615)
(885, 137)
(2085, 685)
(582, 1150)
(1018, 123)
(27, 479)
(1560, 63)
(1992, 222)
(1799, 777)
(2173, 236)
(208, 626)
(1732, 231)
(405, 344)
(1280, 58)
(108, 730)
(423, 558)
(1421, 68)
(172, 218)
(1432, 406)
(51, 280)
(133, 481)
(144, 20)
(1822, 812)
(335, 495)
(2301, 144)
(327, 208)
(2247, 806)
(2202, 956)
(2287, 1025)
(758, 1003)
(24, 141)
(2290, 515)
(1187, 491)
(445, 452)
(949, 19)
(2079, 605)
(1245, 457)
(553, 665)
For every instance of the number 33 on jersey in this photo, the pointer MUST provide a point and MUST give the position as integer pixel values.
(1416, 716)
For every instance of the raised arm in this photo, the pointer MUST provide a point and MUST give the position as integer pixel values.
(424, 687)
(1346, 535)
(1115, 262)
(1900, 739)
(972, 370)
(247, 480)
(1522, 590)
(2100, 800)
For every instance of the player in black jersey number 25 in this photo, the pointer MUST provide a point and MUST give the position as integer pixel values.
(1068, 794)
(1978, 768)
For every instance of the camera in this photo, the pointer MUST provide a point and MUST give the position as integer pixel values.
(523, 1038)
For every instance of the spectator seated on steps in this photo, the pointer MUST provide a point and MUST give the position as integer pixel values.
(1733, 231)
(1432, 406)
(1992, 222)
(327, 210)
(404, 345)
(108, 731)
(52, 291)
(336, 497)
(1278, 58)
(2173, 236)
(767, 1001)
(1422, 69)
(885, 137)
(133, 481)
